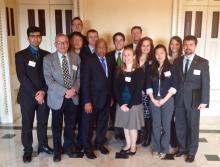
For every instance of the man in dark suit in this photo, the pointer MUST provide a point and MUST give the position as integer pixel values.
(96, 84)
(77, 26)
(115, 58)
(192, 97)
(62, 75)
(136, 33)
(32, 93)
(89, 50)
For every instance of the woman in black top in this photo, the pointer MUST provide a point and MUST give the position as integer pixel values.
(128, 84)
(144, 54)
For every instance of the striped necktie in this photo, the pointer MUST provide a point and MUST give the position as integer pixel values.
(66, 75)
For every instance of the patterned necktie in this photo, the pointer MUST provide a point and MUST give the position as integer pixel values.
(66, 76)
(118, 61)
(186, 67)
(103, 64)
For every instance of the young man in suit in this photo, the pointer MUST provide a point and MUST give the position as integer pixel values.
(136, 33)
(77, 26)
(32, 93)
(62, 75)
(115, 58)
(192, 97)
(96, 85)
(89, 50)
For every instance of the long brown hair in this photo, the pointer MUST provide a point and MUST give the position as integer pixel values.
(138, 51)
(122, 67)
(179, 40)
(155, 64)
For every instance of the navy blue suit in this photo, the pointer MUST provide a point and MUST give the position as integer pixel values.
(96, 89)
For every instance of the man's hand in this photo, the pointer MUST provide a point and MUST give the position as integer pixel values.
(70, 93)
(202, 106)
(88, 108)
(39, 96)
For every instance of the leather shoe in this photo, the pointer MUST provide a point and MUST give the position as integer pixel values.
(125, 151)
(27, 157)
(179, 154)
(57, 158)
(103, 150)
(190, 158)
(45, 149)
(73, 154)
(90, 155)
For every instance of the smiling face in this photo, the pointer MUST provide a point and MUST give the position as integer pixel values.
(77, 25)
(174, 46)
(136, 35)
(189, 47)
(128, 57)
(62, 44)
(146, 47)
(160, 55)
(76, 42)
(119, 42)
(101, 48)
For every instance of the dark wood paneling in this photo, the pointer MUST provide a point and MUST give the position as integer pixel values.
(58, 21)
(215, 24)
(31, 17)
(198, 24)
(188, 23)
(68, 21)
(41, 20)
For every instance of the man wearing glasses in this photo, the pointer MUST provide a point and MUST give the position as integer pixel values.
(32, 93)
(62, 75)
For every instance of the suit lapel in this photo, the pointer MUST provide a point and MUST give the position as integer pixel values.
(57, 65)
(71, 62)
(99, 65)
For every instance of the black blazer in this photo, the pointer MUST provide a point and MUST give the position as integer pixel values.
(95, 86)
(111, 58)
(194, 89)
(31, 78)
(129, 46)
(85, 53)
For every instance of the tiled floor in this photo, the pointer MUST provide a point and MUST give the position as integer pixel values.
(208, 154)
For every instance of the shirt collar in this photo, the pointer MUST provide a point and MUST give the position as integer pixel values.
(190, 57)
(32, 50)
(60, 55)
(92, 49)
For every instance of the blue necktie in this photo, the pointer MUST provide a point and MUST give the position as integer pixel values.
(186, 67)
(103, 64)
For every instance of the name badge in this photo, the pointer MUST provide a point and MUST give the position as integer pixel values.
(127, 79)
(196, 72)
(167, 74)
(74, 67)
(32, 63)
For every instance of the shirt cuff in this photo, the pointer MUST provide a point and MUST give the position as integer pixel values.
(172, 90)
(149, 91)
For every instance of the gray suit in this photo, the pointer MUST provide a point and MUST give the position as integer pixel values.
(54, 79)
(193, 90)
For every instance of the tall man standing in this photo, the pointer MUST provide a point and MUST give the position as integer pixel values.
(136, 33)
(32, 93)
(62, 75)
(96, 83)
(192, 97)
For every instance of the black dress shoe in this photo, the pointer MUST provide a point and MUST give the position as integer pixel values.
(190, 158)
(57, 158)
(125, 151)
(103, 150)
(179, 154)
(27, 157)
(74, 154)
(168, 157)
(45, 149)
(90, 154)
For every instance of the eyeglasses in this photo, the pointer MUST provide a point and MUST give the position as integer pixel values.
(61, 43)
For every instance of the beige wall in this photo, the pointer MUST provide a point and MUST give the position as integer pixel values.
(110, 16)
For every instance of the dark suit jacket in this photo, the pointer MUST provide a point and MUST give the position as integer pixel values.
(195, 88)
(85, 53)
(129, 46)
(111, 58)
(96, 87)
(31, 78)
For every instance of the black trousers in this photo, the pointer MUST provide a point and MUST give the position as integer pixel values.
(67, 111)
(173, 139)
(100, 117)
(187, 129)
(28, 108)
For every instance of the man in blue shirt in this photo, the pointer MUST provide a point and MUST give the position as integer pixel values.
(32, 93)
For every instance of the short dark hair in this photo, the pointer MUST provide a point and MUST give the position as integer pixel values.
(91, 31)
(33, 29)
(118, 34)
(76, 18)
(78, 34)
(136, 27)
(190, 38)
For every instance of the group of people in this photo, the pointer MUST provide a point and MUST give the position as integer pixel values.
(151, 95)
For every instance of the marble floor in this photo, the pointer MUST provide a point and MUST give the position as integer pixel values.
(208, 154)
